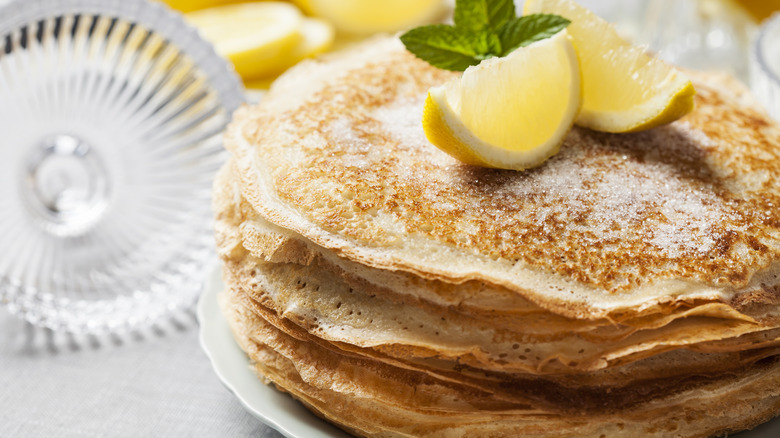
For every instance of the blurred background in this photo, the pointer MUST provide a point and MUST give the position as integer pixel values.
(704, 34)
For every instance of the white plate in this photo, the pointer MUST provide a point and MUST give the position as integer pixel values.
(270, 406)
(277, 409)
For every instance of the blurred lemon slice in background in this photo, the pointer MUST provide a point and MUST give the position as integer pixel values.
(759, 9)
(368, 16)
(194, 5)
(624, 89)
(316, 37)
(511, 112)
(259, 38)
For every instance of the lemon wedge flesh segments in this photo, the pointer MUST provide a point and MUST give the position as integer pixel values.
(511, 112)
(256, 37)
(624, 89)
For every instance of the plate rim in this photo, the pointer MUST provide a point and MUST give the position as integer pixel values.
(280, 410)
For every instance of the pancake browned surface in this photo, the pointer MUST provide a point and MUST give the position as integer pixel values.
(627, 286)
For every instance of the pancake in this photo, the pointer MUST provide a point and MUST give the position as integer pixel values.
(369, 399)
(613, 222)
(629, 286)
(335, 305)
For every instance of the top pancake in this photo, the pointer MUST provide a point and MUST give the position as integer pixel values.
(336, 153)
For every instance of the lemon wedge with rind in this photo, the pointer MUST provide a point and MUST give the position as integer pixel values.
(624, 89)
(256, 37)
(509, 113)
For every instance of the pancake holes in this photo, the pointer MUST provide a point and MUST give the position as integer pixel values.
(502, 355)
(515, 346)
(338, 305)
(521, 357)
(582, 350)
(527, 350)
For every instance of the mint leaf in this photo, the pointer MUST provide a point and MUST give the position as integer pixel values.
(444, 46)
(483, 29)
(485, 43)
(478, 15)
(528, 29)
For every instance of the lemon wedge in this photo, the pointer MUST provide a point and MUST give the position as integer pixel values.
(316, 37)
(257, 37)
(511, 112)
(363, 17)
(624, 89)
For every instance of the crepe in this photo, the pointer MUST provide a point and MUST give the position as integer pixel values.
(611, 224)
(628, 286)
(370, 399)
(307, 287)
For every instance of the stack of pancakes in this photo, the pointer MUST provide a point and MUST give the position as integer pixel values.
(629, 286)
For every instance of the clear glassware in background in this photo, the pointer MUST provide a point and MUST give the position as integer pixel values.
(111, 113)
(626, 16)
(765, 66)
(699, 34)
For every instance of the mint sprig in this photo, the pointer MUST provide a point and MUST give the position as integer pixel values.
(483, 29)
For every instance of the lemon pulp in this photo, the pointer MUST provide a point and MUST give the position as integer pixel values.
(511, 112)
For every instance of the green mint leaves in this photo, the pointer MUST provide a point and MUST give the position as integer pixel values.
(483, 29)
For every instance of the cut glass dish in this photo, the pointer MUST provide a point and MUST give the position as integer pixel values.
(111, 114)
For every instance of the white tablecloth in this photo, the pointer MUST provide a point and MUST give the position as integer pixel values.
(155, 383)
